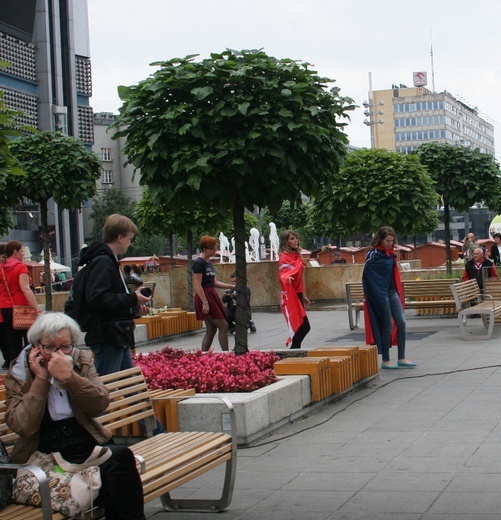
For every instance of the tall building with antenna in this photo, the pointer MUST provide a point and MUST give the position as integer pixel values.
(415, 115)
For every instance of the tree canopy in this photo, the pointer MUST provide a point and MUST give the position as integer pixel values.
(231, 131)
(375, 188)
(56, 166)
(107, 203)
(462, 177)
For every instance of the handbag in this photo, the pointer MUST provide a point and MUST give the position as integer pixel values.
(6, 478)
(23, 316)
(73, 487)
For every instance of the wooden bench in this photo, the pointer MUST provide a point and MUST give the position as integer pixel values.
(469, 302)
(165, 461)
(425, 296)
(493, 287)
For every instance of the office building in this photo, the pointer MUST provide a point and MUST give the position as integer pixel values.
(113, 172)
(415, 115)
(49, 79)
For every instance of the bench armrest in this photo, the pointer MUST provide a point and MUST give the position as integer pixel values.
(142, 463)
(43, 482)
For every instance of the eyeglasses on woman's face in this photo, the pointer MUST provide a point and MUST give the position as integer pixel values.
(50, 349)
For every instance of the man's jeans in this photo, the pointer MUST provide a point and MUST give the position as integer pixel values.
(109, 360)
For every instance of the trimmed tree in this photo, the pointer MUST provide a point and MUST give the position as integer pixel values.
(232, 131)
(161, 219)
(105, 204)
(58, 167)
(375, 188)
(462, 177)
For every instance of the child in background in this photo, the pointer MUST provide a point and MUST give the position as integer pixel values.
(230, 299)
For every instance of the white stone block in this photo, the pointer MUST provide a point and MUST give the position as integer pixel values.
(258, 411)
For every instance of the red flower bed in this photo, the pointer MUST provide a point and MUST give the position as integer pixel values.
(207, 373)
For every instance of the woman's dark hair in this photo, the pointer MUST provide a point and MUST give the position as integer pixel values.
(381, 234)
(284, 242)
(496, 235)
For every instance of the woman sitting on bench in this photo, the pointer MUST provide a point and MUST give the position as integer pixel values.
(53, 394)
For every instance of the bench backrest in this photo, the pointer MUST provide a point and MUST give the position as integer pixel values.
(354, 292)
(493, 287)
(129, 400)
(441, 287)
(465, 293)
(129, 403)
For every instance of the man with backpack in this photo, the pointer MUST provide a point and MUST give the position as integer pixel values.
(101, 302)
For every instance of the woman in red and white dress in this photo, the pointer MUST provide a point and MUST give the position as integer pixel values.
(293, 300)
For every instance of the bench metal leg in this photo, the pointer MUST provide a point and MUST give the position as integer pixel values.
(211, 505)
(486, 316)
(353, 318)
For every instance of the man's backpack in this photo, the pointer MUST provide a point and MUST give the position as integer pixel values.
(76, 306)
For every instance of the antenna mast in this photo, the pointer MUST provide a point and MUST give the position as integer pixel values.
(432, 66)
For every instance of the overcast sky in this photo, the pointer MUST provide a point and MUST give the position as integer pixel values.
(342, 39)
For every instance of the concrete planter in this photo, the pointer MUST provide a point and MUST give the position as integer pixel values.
(258, 413)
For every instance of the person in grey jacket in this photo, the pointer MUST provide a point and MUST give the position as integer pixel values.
(53, 396)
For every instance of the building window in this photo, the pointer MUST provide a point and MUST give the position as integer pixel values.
(105, 154)
(107, 177)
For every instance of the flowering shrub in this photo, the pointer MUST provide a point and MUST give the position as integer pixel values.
(207, 373)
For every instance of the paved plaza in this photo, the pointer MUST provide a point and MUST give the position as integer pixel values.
(421, 444)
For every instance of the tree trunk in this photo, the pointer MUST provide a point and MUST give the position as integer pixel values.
(447, 233)
(189, 253)
(46, 255)
(242, 313)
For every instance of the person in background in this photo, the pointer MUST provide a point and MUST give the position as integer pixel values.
(110, 306)
(208, 304)
(469, 245)
(496, 249)
(384, 299)
(479, 268)
(14, 290)
(135, 271)
(53, 396)
(230, 298)
(338, 259)
(4, 340)
(294, 301)
(129, 279)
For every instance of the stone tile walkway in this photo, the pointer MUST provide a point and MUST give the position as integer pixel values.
(421, 444)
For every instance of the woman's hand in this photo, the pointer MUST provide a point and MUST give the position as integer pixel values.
(59, 366)
(37, 363)
(306, 302)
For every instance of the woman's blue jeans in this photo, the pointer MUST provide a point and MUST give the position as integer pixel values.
(393, 310)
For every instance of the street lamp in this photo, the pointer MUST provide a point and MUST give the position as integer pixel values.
(370, 113)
